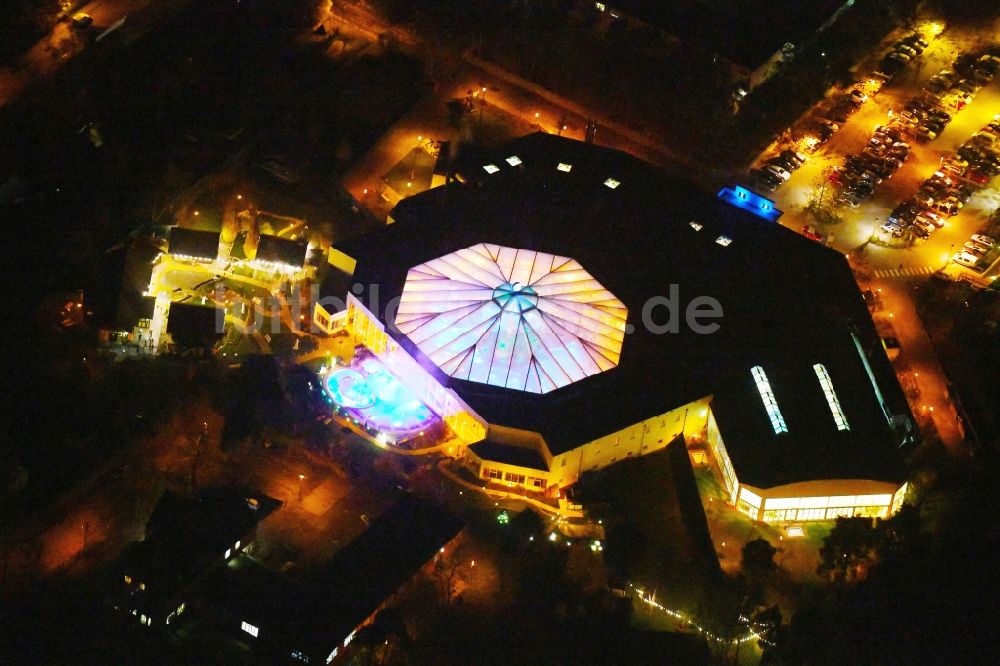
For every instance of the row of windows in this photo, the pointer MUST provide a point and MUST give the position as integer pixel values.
(797, 515)
(721, 455)
(825, 502)
(498, 475)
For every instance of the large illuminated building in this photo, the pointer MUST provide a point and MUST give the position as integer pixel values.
(556, 307)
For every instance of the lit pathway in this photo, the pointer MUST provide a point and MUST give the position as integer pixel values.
(919, 351)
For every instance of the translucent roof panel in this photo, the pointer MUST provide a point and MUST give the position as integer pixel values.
(515, 318)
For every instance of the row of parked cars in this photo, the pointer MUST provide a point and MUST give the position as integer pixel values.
(881, 157)
(777, 170)
(974, 250)
(969, 72)
(899, 57)
(923, 118)
(978, 159)
(945, 193)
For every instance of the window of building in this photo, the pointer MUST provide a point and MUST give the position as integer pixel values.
(495, 474)
(513, 160)
(565, 168)
(695, 225)
(514, 478)
(724, 241)
(612, 183)
(767, 396)
(128, 580)
(142, 586)
(237, 546)
(229, 551)
(537, 483)
(831, 397)
(491, 168)
(600, 6)
(250, 629)
(837, 512)
(807, 514)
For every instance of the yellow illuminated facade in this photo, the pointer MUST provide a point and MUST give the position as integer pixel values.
(821, 500)
(368, 330)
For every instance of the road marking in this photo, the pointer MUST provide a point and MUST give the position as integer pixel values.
(905, 272)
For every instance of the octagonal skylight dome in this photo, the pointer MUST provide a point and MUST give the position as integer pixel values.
(514, 318)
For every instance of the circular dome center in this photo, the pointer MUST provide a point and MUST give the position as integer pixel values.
(515, 297)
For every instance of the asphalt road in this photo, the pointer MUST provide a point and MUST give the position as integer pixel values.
(61, 44)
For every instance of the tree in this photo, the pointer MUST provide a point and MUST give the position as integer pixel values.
(849, 550)
(757, 560)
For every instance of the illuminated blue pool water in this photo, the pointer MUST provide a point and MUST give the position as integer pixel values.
(376, 398)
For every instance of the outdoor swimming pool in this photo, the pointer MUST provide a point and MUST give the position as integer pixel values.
(376, 398)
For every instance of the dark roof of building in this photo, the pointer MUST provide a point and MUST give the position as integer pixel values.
(386, 555)
(193, 325)
(281, 251)
(185, 535)
(316, 614)
(194, 243)
(746, 32)
(509, 454)
(785, 300)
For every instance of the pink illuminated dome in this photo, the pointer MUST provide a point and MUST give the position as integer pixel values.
(514, 318)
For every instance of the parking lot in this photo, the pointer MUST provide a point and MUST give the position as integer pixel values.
(904, 169)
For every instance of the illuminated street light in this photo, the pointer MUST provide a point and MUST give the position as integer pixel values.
(301, 479)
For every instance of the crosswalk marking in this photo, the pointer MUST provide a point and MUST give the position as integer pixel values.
(905, 272)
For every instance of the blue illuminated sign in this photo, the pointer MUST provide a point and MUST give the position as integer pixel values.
(751, 201)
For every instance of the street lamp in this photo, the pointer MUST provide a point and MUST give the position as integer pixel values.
(301, 479)
(871, 236)
(947, 259)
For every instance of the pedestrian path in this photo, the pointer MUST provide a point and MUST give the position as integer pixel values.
(906, 272)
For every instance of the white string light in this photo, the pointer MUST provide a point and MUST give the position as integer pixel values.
(649, 600)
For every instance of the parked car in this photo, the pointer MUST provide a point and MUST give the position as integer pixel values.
(765, 181)
(932, 217)
(924, 224)
(978, 177)
(793, 156)
(984, 137)
(983, 239)
(809, 232)
(893, 230)
(965, 259)
(947, 207)
(857, 97)
(81, 20)
(904, 212)
(976, 249)
(778, 171)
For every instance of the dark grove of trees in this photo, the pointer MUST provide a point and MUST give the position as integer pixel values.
(927, 597)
